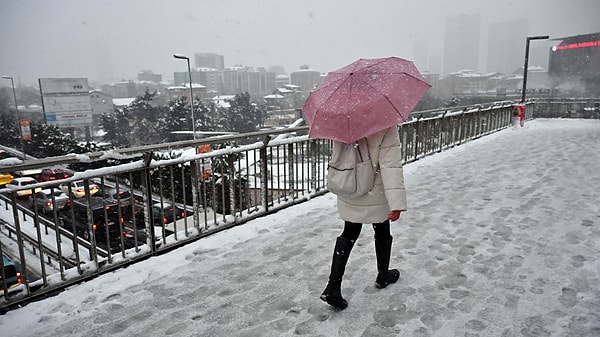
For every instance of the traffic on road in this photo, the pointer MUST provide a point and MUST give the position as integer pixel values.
(94, 215)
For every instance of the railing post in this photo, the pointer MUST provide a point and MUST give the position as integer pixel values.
(264, 174)
(20, 241)
(90, 228)
(147, 200)
(291, 164)
(231, 185)
(195, 190)
(416, 139)
(313, 154)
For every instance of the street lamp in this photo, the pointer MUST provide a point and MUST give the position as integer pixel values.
(183, 57)
(529, 38)
(12, 82)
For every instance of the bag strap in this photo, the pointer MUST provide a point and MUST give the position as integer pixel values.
(357, 146)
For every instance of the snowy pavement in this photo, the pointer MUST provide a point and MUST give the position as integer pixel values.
(502, 238)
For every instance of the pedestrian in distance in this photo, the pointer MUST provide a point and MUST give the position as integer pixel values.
(382, 204)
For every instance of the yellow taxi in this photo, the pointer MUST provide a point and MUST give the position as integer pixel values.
(5, 178)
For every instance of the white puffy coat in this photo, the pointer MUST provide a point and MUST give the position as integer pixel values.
(388, 192)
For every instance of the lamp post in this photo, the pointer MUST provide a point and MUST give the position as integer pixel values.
(529, 38)
(183, 57)
(12, 82)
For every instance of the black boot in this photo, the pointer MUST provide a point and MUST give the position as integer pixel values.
(333, 292)
(385, 276)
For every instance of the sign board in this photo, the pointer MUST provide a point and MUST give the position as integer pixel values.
(25, 129)
(49, 86)
(206, 164)
(68, 110)
(68, 119)
(67, 103)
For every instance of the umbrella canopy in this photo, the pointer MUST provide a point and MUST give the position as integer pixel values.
(364, 97)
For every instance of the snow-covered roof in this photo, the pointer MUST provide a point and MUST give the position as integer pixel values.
(466, 73)
(205, 69)
(273, 96)
(123, 101)
(535, 68)
(223, 100)
(186, 86)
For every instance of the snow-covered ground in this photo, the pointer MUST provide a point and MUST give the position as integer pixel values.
(502, 238)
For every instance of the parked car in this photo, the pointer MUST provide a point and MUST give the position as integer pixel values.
(5, 178)
(111, 195)
(77, 215)
(52, 174)
(22, 182)
(78, 188)
(13, 275)
(166, 213)
(161, 214)
(4, 154)
(43, 200)
(140, 235)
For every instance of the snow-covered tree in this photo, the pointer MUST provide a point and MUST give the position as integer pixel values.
(9, 129)
(50, 141)
(145, 127)
(178, 116)
(205, 116)
(242, 115)
(116, 128)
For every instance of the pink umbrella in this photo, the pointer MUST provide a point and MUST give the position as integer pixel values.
(364, 97)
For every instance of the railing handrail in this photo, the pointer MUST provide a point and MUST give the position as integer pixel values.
(137, 151)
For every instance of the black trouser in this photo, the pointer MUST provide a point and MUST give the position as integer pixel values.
(352, 230)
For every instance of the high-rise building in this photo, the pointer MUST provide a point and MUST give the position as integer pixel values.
(435, 64)
(506, 46)
(104, 68)
(461, 43)
(175, 92)
(149, 76)
(211, 78)
(209, 60)
(307, 79)
(420, 57)
(245, 79)
(123, 89)
(576, 61)
(278, 70)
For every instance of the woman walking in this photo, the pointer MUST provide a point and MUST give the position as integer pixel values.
(384, 203)
(365, 101)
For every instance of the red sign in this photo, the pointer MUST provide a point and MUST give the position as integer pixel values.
(25, 129)
(577, 45)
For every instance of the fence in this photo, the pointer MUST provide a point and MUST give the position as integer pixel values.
(144, 201)
(572, 108)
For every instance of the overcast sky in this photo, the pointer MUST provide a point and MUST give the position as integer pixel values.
(114, 40)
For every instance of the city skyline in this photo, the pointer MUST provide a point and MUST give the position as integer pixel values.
(109, 42)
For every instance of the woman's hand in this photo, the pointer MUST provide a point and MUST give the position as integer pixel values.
(394, 215)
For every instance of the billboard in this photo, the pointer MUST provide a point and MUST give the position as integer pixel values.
(576, 57)
(66, 101)
(67, 110)
(49, 86)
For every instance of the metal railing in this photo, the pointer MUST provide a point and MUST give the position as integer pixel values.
(567, 108)
(183, 191)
